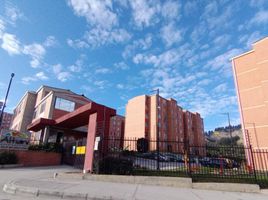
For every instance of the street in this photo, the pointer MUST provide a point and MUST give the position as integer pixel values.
(42, 177)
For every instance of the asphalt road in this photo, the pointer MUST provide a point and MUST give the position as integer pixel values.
(7, 175)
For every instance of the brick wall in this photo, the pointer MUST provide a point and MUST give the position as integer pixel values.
(36, 158)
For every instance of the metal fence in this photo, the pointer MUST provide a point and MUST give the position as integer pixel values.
(170, 158)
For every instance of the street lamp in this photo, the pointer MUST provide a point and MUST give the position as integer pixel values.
(157, 128)
(230, 132)
(4, 105)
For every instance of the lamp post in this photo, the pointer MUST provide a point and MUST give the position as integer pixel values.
(229, 123)
(4, 105)
(157, 128)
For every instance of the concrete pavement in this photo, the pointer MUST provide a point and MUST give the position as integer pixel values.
(40, 184)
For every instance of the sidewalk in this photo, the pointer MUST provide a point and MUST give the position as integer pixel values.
(74, 188)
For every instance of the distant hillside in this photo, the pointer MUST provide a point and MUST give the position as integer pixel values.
(221, 136)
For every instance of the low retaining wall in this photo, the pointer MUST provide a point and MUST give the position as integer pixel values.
(36, 158)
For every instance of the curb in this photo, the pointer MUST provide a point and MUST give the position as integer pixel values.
(11, 188)
(179, 182)
(228, 187)
(9, 166)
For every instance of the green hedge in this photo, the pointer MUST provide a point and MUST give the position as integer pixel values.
(49, 147)
(8, 158)
(116, 165)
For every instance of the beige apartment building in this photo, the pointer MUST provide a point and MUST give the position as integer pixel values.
(23, 113)
(251, 79)
(144, 118)
(49, 103)
(52, 103)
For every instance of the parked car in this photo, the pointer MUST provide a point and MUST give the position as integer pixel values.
(153, 155)
(172, 157)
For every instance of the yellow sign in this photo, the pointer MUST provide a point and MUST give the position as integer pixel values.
(81, 150)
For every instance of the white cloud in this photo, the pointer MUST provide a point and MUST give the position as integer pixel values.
(221, 88)
(222, 62)
(64, 76)
(170, 34)
(78, 65)
(190, 7)
(38, 76)
(103, 23)
(41, 76)
(36, 52)
(258, 3)
(120, 86)
(13, 13)
(61, 74)
(79, 44)
(204, 82)
(249, 39)
(101, 84)
(50, 41)
(145, 12)
(121, 65)
(2, 28)
(97, 37)
(222, 40)
(28, 79)
(87, 88)
(214, 18)
(260, 17)
(140, 44)
(102, 71)
(170, 9)
(11, 44)
(96, 12)
(167, 58)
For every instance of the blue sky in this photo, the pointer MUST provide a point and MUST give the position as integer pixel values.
(112, 51)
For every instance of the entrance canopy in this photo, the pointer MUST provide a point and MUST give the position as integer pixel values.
(77, 118)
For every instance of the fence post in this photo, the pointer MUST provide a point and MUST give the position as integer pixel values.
(253, 163)
(187, 157)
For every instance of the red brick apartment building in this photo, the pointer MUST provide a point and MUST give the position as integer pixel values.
(6, 121)
(144, 117)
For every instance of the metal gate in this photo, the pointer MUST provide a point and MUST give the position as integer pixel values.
(74, 153)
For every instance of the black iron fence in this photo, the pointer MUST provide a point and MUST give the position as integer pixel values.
(171, 158)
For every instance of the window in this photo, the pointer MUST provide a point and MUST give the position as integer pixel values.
(63, 104)
(34, 114)
(43, 107)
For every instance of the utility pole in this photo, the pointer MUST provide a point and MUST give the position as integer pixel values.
(230, 131)
(4, 105)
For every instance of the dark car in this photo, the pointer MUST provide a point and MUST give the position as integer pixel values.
(216, 162)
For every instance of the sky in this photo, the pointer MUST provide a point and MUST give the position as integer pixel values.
(114, 50)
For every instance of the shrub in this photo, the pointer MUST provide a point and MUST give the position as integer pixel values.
(142, 145)
(49, 147)
(115, 165)
(8, 158)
